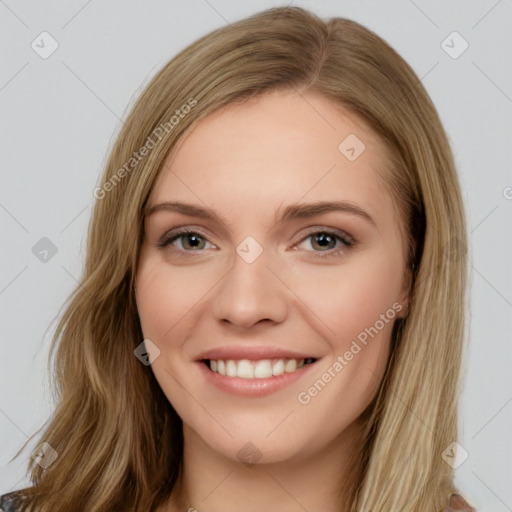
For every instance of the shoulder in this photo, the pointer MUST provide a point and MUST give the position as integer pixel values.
(456, 501)
(8, 503)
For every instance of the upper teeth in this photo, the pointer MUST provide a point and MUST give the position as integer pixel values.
(261, 369)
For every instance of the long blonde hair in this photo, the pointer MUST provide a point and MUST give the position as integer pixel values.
(118, 440)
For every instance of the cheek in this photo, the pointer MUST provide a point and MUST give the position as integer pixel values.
(357, 305)
(349, 298)
(165, 299)
(152, 300)
(165, 295)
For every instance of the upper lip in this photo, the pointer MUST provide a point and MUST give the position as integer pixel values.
(252, 352)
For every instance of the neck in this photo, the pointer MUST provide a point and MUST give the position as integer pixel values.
(211, 482)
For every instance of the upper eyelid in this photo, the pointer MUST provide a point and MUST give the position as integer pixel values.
(179, 231)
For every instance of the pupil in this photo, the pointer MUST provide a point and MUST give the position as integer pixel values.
(193, 237)
(325, 237)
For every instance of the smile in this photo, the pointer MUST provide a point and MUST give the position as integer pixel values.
(256, 369)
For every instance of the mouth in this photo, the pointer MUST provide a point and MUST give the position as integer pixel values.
(256, 369)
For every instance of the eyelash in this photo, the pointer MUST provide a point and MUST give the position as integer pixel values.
(346, 240)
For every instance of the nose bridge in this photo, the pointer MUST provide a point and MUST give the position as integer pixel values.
(250, 291)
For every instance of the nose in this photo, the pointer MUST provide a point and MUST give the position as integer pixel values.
(251, 293)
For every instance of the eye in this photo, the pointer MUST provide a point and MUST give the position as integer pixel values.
(190, 240)
(323, 242)
(326, 240)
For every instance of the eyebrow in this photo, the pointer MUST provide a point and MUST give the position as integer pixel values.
(291, 212)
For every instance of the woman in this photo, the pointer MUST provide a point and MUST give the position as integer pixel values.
(276, 372)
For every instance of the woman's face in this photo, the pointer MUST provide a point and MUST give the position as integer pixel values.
(295, 254)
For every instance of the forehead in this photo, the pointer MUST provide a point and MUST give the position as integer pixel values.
(277, 148)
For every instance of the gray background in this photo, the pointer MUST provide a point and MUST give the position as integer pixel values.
(58, 117)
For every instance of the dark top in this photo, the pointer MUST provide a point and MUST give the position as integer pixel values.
(455, 502)
(7, 503)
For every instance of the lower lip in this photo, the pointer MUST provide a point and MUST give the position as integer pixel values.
(253, 387)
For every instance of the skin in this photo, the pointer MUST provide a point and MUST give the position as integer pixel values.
(245, 162)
